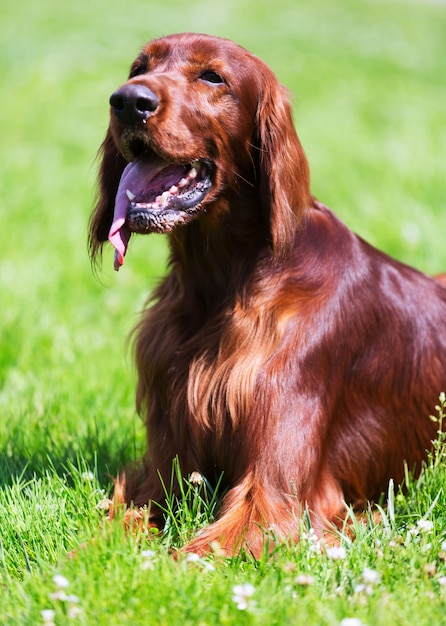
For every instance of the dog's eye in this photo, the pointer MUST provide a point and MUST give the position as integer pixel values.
(140, 66)
(209, 76)
(138, 70)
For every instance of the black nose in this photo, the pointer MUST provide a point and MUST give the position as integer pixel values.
(134, 103)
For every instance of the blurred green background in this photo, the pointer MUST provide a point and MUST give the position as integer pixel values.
(368, 79)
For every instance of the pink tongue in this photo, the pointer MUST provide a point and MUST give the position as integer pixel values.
(135, 177)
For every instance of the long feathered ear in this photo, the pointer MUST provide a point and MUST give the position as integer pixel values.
(110, 170)
(284, 172)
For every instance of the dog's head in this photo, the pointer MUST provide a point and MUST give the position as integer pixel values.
(200, 120)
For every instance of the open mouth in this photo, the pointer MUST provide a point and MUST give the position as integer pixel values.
(156, 196)
(172, 194)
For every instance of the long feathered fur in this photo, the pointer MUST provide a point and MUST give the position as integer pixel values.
(280, 349)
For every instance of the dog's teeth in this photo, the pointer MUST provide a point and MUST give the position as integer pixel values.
(183, 182)
(164, 196)
(173, 189)
(131, 196)
(193, 173)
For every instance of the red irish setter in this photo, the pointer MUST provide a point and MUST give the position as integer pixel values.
(281, 350)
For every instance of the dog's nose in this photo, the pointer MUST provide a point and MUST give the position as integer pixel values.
(134, 103)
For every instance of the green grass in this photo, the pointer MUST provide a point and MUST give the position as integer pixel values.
(369, 89)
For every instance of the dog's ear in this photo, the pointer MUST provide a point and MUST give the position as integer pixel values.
(284, 172)
(110, 170)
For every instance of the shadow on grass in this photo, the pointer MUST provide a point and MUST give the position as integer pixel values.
(105, 457)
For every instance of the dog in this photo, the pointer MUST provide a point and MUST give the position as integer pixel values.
(281, 351)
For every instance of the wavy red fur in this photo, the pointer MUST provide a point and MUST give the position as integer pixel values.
(280, 349)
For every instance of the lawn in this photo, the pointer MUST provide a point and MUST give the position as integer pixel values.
(369, 93)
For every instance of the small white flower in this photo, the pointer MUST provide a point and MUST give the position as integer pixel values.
(430, 568)
(442, 581)
(59, 595)
(147, 556)
(104, 504)
(72, 599)
(310, 536)
(74, 611)
(315, 548)
(208, 566)
(48, 617)
(192, 557)
(242, 595)
(314, 544)
(425, 525)
(351, 621)
(337, 553)
(364, 589)
(304, 580)
(196, 478)
(370, 576)
(88, 477)
(443, 545)
(61, 582)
